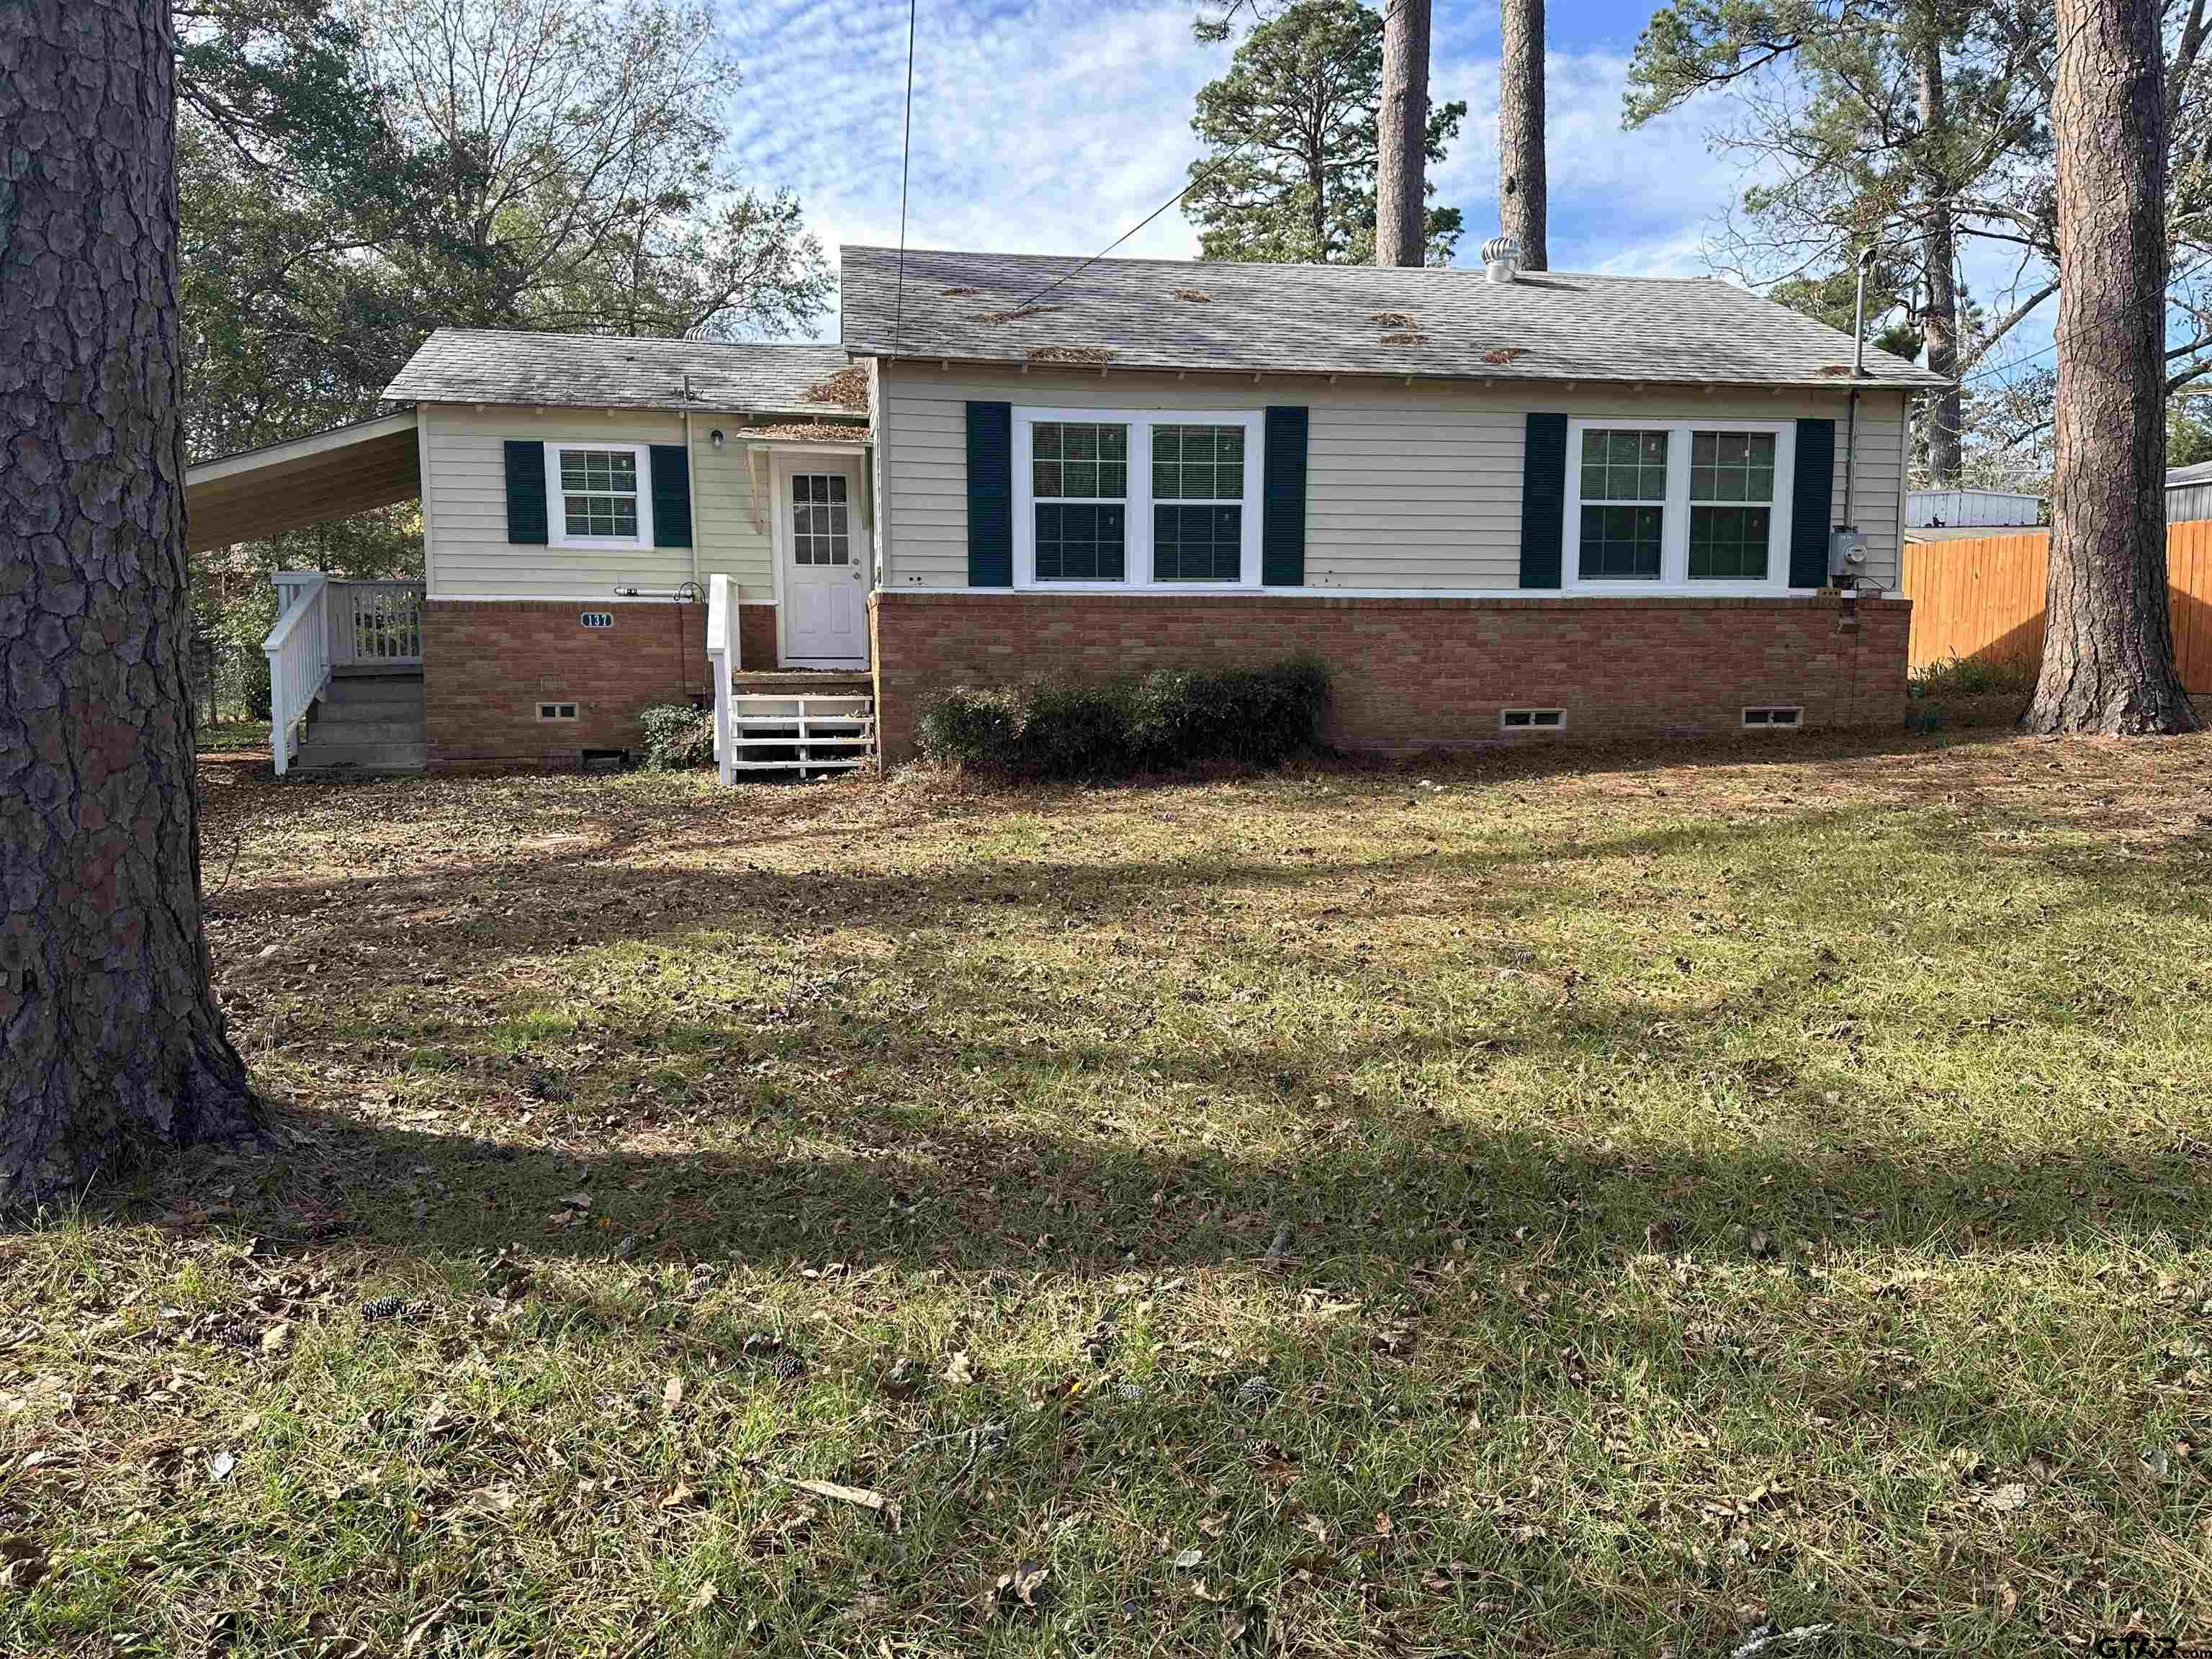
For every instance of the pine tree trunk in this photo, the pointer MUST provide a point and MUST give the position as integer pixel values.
(110, 1042)
(1523, 197)
(2108, 642)
(1939, 323)
(1403, 131)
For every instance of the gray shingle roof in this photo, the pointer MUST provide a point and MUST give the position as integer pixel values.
(1550, 326)
(2176, 477)
(598, 371)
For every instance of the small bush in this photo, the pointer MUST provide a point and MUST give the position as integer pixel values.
(1056, 728)
(1976, 677)
(677, 736)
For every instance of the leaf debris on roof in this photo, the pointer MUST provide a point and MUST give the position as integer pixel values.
(1071, 354)
(1503, 354)
(1395, 319)
(1197, 296)
(810, 432)
(1014, 315)
(847, 387)
(1406, 337)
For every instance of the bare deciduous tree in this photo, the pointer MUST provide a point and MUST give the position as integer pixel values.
(2108, 640)
(111, 1041)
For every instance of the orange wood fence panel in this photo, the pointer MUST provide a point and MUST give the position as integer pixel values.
(1984, 598)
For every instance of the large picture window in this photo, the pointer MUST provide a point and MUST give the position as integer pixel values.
(1136, 499)
(598, 494)
(1679, 505)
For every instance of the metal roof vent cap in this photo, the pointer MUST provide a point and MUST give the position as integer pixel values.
(1501, 259)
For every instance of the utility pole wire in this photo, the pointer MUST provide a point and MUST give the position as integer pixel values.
(906, 163)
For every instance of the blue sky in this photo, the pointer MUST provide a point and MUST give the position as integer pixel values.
(1050, 126)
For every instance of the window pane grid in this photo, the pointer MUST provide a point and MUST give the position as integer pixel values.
(1621, 465)
(821, 524)
(599, 493)
(1622, 543)
(1198, 463)
(1080, 476)
(1197, 543)
(1730, 542)
(1081, 542)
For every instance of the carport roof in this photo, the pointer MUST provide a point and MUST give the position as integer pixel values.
(610, 371)
(328, 475)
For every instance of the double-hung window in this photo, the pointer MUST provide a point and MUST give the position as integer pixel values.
(1079, 471)
(1686, 507)
(599, 494)
(1137, 499)
(1197, 503)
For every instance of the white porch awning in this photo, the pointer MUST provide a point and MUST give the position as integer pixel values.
(330, 475)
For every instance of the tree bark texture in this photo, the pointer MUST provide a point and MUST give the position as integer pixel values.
(1523, 197)
(111, 1041)
(1938, 322)
(2108, 639)
(1402, 137)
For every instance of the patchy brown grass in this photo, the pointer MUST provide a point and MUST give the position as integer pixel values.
(1592, 1203)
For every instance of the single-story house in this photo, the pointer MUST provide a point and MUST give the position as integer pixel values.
(1968, 510)
(2189, 492)
(1501, 505)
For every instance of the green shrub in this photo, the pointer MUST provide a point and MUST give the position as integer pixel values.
(677, 736)
(1976, 677)
(1057, 728)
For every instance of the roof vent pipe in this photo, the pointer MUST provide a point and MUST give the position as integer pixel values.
(1501, 259)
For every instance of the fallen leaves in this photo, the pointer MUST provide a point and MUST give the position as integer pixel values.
(22, 1563)
(1017, 1590)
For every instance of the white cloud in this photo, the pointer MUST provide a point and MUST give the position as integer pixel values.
(1052, 126)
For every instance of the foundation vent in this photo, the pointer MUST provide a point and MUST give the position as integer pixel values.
(1527, 719)
(1769, 717)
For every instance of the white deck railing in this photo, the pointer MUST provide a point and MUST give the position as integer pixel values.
(376, 624)
(324, 625)
(299, 653)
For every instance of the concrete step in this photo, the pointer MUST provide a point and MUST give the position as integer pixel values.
(355, 727)
(341, 695)
(318, 757)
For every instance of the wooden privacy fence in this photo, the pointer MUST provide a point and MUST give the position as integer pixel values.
(1983, 598)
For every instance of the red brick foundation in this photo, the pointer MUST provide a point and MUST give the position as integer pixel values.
(1418, 674)
(487, 665)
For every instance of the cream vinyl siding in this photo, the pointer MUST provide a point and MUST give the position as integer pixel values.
(1414, 486)
(465, 498)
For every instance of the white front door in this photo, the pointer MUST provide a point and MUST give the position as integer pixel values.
(825, 562)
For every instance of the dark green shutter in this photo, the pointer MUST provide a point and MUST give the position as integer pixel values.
(672, 496)
(1543, 499)
(525, 492)
(990, 495)
(1282, 514)
(1812, 500)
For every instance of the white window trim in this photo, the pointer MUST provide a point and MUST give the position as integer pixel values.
(556, 513)
(1138, 567)
(1675, 543)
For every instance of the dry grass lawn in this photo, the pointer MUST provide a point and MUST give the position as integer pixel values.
(1611, 1207)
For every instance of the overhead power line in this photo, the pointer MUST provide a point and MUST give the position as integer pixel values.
(906, 161)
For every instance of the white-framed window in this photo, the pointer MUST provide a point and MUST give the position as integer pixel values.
(599, 494)
(1122, 498)
(1682, 507)
(821, 520)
